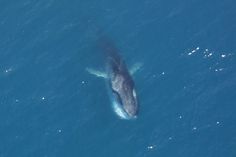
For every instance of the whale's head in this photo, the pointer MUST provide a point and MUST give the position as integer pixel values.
(125, 97)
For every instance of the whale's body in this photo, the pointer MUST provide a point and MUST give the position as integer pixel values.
(119, 82)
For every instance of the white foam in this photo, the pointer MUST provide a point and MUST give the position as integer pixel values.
(151, 147)
(194, 51)
(223, 55)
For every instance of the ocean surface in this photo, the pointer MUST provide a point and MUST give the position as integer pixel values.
(50, 106)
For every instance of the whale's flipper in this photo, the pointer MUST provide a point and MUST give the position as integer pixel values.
(96, 73)
(135, 68)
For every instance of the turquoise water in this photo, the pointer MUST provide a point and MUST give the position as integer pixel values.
(51, 107)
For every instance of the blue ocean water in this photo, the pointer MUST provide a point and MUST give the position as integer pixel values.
(51, 107)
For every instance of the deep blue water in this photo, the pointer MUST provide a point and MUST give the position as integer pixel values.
(51, 107)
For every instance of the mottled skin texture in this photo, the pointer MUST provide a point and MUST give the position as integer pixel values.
(121, 82)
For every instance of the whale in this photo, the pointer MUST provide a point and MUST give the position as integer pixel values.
(119, 81)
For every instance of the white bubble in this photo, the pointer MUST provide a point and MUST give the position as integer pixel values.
(195, 128)
(8, 70)
(151, 147)
(193, 51)
(206, 51)
(210, 54)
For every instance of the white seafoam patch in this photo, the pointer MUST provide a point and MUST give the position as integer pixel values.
(150, 147)
(193, 51)
(216, 58)
(8, 70)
